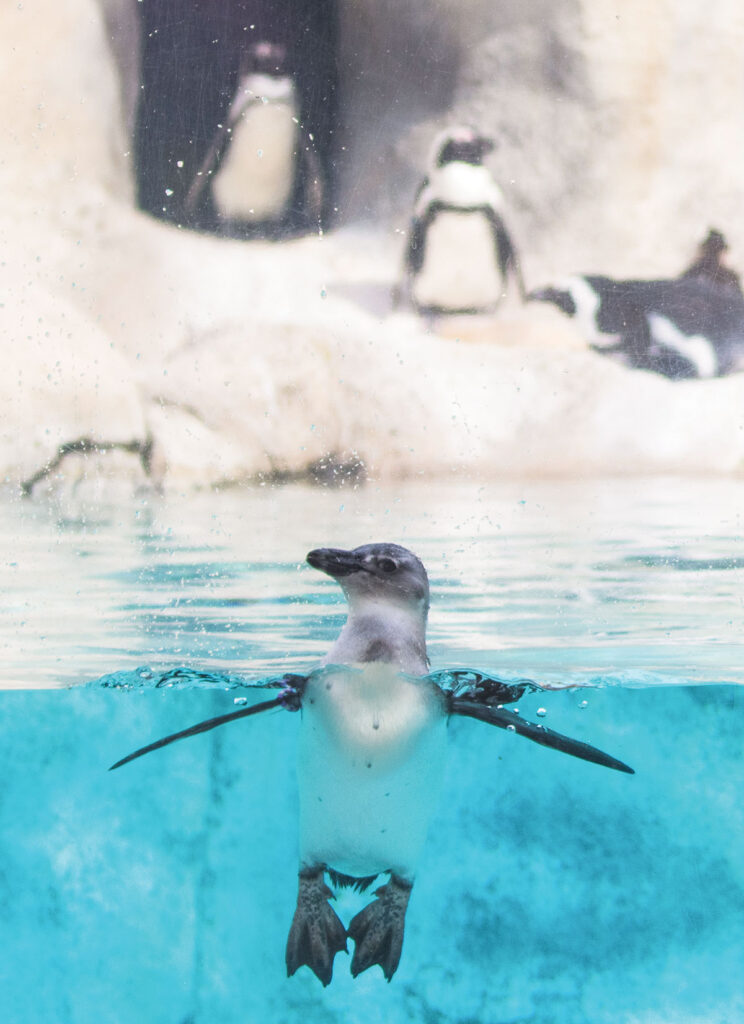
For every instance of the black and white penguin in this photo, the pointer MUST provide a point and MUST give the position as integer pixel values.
(688, 327)
(372, 749)
(261, 165)
(709, 263)
(460, 255)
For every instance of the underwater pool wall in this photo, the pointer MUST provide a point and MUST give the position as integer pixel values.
(551, 890)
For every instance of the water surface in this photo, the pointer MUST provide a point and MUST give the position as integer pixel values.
(617, 579)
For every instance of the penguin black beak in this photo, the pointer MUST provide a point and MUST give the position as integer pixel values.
(334, 561)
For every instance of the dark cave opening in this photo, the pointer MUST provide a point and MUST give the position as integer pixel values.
(193, 65)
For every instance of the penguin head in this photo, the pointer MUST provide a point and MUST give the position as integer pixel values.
(461, 145)
(264, 58)
(560, 297)
(714, 244)
(384, 573)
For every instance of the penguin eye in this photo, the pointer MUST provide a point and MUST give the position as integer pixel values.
(386, 565)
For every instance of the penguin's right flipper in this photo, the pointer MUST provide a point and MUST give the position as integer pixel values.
(414, 259)
(377, 930)
(316, 934)
(219, 143)
(537, 733)
(290, 699)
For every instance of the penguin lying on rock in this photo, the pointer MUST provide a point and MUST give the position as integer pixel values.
(460, 255)
(372, 748)
(681, 328)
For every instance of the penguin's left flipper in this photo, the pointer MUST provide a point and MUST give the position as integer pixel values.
(377, 930)
(478, 688)
(506, 252)
(289, 699)
(537, 733)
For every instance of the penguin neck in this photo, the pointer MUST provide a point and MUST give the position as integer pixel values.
(462, 184)
(270, 88)
(378, 631)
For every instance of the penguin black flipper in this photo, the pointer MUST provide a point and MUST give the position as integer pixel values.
(417, 237)
(312, 181)
(537, 733)
(215, 151)
(479, 688)
(506, 252)
(413, 259)
(289, 699)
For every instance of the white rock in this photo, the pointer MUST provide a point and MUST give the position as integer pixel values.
(243, 359)
(62, 381)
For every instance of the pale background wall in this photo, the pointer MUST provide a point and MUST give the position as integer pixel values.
(620, 129)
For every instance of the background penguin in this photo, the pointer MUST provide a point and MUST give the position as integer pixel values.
(191, 60)
(460, 255)
(372, 748)
(681, 328)
(261, 163)
(708, 263)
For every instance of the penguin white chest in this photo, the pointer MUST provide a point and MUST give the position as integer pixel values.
(371, 759)
(460, 270)
(255, 178)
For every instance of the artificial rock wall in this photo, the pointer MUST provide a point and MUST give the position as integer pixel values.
(620, 130)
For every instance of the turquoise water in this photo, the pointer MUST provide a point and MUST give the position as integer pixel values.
(551, 891)
(565, 582)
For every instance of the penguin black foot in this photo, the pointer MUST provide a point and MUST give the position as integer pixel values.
(377, 930)
(316, 934)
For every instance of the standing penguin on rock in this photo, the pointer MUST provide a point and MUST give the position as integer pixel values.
(460, 255)
(372, 749)
(261, 170)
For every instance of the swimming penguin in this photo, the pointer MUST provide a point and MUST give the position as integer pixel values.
(681, 328)
(260, 163)
(460, 254)
(372, 750)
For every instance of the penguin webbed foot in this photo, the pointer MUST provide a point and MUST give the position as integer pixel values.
(316, 933)
(377, 930)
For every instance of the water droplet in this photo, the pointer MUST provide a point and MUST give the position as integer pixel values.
(583, 704)
(541, 712)
(169, 191)
(323, 293)
(511, 728)
(179, 163)
(240, 700)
